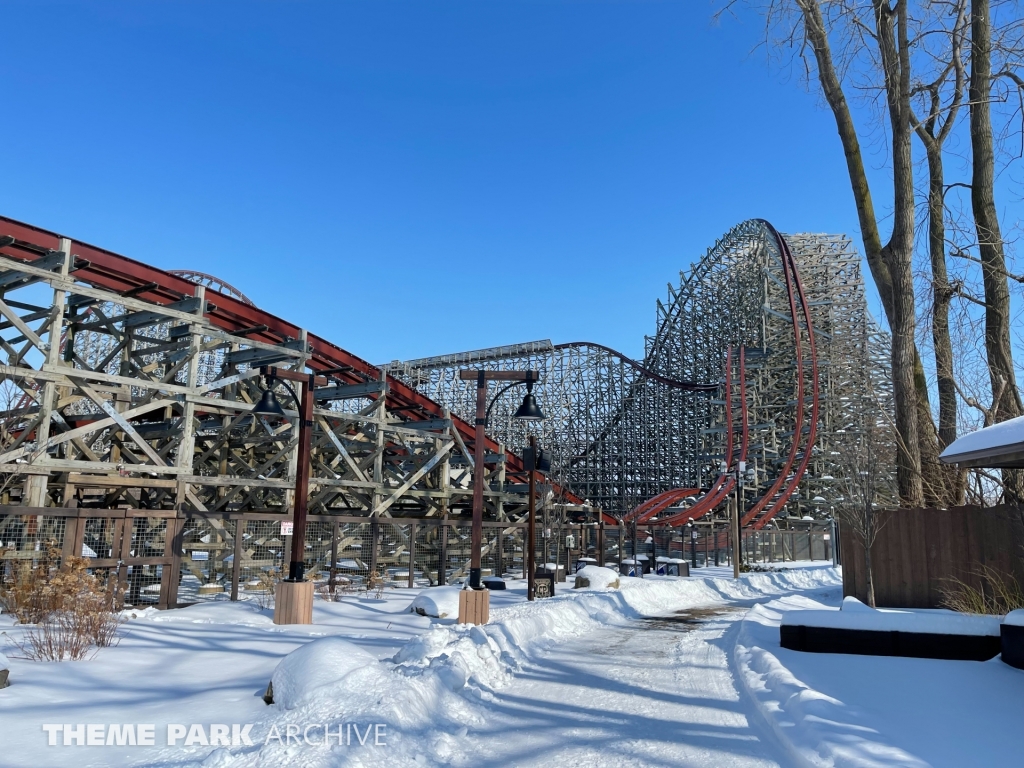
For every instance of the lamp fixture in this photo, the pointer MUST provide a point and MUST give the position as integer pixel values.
(529, 410)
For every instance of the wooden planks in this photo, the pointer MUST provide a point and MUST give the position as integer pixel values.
(293, 602)
(918, 552)
(474, 606)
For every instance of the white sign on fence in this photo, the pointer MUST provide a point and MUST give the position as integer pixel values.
(287, 528)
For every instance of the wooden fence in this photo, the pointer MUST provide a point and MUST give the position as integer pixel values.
(161, 558)
(918, 551)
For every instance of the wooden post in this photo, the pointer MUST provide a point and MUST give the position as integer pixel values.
(412, 554)
(127, 525)
(36, 484)
(654, 548)
(374, 545)
(442, 560)
(618, 551)
(236, 560)
(172, 546)
(600, 543)
(332, 579)
(71, 525)
(500, 560)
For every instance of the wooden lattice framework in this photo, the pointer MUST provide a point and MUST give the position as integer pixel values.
(126, 396)
(619, 437)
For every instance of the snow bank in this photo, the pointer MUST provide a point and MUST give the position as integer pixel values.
(321, 663)
(932, 623)
(439, 602)
(851, 603)
(817, 729)
(596, 577)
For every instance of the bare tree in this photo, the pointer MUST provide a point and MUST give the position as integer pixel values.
(876, 35)
(1006, 402)
(867, 486)
(941, 95)
(916, 65)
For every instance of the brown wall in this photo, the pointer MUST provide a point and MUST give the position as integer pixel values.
(918, 550)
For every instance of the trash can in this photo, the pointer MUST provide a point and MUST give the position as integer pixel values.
(682, 568)
(585, 561)
(629, 567)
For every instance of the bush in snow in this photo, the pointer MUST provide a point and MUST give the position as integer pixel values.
(315, 665)
(997, 593)
(72, 610)
(596, 577)
(4, 671)
(375, 585)
(265, 586)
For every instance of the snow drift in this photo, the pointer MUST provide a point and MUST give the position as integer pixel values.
(939, 622)
(321, 663)
(596, 577)
(437, 602)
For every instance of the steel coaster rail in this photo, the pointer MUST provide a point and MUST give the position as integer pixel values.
(774, 499)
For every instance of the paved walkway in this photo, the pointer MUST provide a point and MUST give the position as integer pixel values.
(656, 693)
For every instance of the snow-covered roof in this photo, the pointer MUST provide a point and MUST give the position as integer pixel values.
(1001, 445)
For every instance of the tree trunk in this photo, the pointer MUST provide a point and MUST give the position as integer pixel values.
(1006, 397)
(894, 50)
(868, 531)
(951, 481)
(868, 575)
(890, 265)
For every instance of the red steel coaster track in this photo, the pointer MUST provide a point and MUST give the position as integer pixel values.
(770, 503)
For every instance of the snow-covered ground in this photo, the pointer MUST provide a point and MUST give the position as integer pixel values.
(842, 710)
(581, 679)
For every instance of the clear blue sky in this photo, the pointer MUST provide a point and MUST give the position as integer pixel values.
(409, 179)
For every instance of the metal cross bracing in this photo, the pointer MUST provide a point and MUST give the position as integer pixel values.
(780, 329)
(127, 393)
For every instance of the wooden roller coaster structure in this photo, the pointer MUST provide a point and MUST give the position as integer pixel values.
(737, 393)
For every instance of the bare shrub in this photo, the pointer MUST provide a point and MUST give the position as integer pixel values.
(375, 584)
(73, 611)
(999, 593)
(266, 587)
(73, 633)
(31, 594)
(342, 586)
(58, 637)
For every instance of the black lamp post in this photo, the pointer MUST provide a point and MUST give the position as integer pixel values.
(268, 406)
(528, 411)
(693, 543)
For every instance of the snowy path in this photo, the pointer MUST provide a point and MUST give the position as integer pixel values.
(656, 692)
